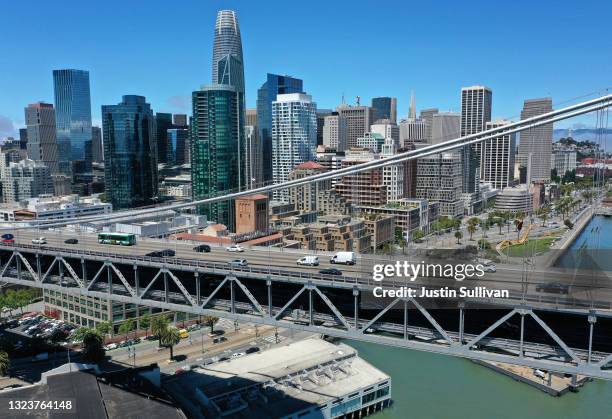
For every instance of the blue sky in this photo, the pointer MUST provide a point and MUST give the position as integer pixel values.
(162, 50)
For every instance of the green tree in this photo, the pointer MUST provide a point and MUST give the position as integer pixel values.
(92, 349)
(171, 337)
(458, 236)
(104, 327)
(126, 327)
(159, 324)
(210, 322)
(417, 236)
(4, 362)
(543, 213)
(145, 323)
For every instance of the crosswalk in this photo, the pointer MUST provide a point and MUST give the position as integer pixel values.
(272, 338)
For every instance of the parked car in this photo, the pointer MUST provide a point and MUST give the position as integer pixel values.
(330, 271)
(202, 248)
(238, 263)
(71, 241)
(39, 240)
(8, 238)
(111, 346)
(490, 268)
(220, 339)
(252, 350)
(238, 355)
(235, 248)
(553, 288)
(308, 261)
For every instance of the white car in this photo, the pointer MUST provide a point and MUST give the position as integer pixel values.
(238, 355)
(308, 261)
(40, 240)
(490, 268)
(110, 346)
(234, 248)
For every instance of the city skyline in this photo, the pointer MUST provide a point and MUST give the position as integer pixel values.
(168, 89)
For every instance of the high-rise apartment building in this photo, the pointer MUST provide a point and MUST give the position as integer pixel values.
(321, 115)
(427, 116)
(25, 179)
(358, 120)
(384, 108)
(179, 120)
(42, 144)
(444, 126)
(72, 116)
(537, 141)
(334, 132)
(439, 179)
(294, 135)
(305, 197)
(363, 188)
(163, 122)
(177, 141)
(217, 149)
(387, 129)
(475, 113)
(412, 131)
(497, 158)
(130, 152)
(253, 157)
(275, 85)
(97, 147)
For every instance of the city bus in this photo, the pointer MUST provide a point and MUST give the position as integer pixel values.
(122, 239)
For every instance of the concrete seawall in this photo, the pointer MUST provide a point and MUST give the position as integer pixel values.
(580, 222)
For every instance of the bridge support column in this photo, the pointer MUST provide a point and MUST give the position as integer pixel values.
(232, 296)
(61, 269)
(166, 287)
(84, 271)
(109, 276)
(136, 280)
(522, 341)
(405, 319)
(356, 307)
(461, 321)
(310, 307)
(18, 263)
(269, 285)
(38, 267)
(592, 321)
(196, 274)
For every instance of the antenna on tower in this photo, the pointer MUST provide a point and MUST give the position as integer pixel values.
(358, 100)
(343, 98)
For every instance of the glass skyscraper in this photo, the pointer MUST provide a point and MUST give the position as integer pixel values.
(72, 115)
(384, 108)
(217, 153)
(130, 152)
(275, 85)
(163, 122)
(227, 62)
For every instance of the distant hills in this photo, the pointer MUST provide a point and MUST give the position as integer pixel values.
(582, 134)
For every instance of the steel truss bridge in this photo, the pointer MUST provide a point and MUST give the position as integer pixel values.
(533, 335)
(515, 334)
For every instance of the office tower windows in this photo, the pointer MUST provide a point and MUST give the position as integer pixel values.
(321, 115)
(294, 136)
(475, 113)
(178, 139)
(427, 116)
(72, 116)
(537, 141)
(334, 132)
(384, 108)
(358, 120)
(444, 126)
(163, 122)
(497, 158)
(179, 120)
(42, 144)
(130, 153)
(97, 148)
(275, 85)
(217, 150)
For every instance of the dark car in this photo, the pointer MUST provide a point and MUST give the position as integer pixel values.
(71, 241)
(154, 254)
(202, 248)
(252, 350)
(553, 288)
(167, 253)
(330, 271)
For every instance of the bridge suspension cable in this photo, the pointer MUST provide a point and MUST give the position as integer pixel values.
(568, 112)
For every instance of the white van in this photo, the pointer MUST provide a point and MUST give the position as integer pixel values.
(345, 258)
(308, 261)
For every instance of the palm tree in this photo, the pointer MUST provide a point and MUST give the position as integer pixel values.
(4, 362)
(458, 236)
(543, 214)
(471, 228)
(145, 323)
(210, 321)
(159, 324)
(171, 337)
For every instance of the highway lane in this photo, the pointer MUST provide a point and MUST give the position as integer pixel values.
(506, 277)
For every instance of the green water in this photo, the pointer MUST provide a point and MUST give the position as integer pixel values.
(442, 387)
